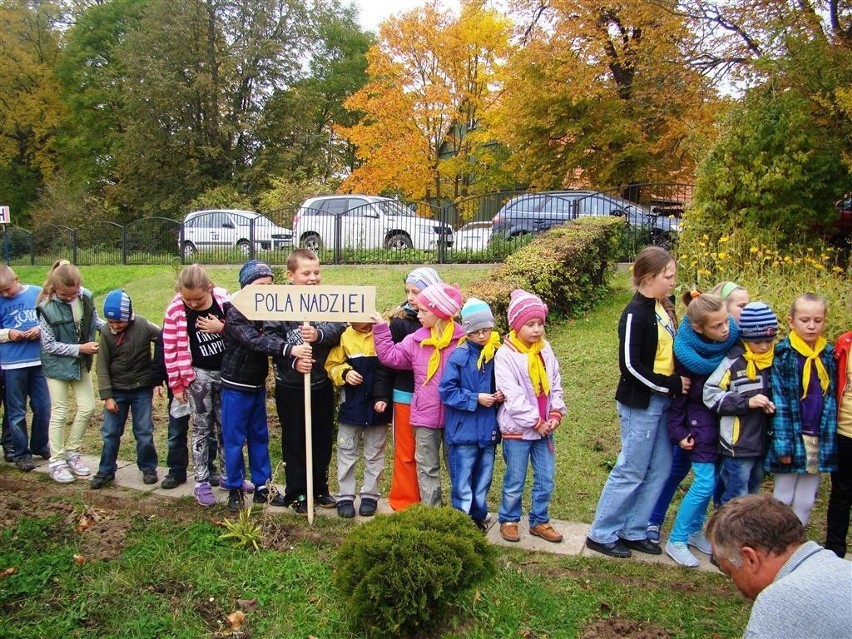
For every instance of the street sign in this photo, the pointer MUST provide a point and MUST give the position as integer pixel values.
(5, 214)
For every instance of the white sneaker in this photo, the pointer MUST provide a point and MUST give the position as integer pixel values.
(75, 463)
(678, 551)
(700, 543)
(61, 474)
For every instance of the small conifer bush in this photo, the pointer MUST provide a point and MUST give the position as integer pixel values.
(401, 573)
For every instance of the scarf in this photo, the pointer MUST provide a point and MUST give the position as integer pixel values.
(811, 357)
(699, 355)
(757, 361)
(488, 349)
(535, 365)
(439, 342)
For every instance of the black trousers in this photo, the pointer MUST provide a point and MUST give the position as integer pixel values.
(840, 500)
(290, 404)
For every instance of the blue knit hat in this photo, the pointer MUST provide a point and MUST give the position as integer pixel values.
(254, 270)
(423, 277)
(758, 322)
(476, 315)
(117, 306)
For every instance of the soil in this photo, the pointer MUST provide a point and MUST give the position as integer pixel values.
(614, 627)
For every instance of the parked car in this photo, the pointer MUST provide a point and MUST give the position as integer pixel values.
(473, 236)
(537, 212)
(841, 230)
(227, 228)
(365, 221)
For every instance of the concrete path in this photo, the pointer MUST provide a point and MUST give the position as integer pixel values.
(128, 476)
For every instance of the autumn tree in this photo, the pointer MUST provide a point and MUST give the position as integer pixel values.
(432, 77)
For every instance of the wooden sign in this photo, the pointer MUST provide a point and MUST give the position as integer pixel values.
(277, 303)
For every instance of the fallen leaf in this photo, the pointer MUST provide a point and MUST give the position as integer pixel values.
(247, 604)
(236, 620)
(80, 560)
(8, 572)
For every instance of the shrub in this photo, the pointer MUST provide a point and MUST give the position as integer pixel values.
(401, 573)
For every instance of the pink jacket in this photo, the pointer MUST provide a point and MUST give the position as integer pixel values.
(176, 353)
(427, 409)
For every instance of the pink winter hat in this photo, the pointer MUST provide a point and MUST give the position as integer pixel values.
(523, 307)
(442, 299)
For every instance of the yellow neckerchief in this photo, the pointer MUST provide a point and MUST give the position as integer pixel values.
(488, 349)
(757, 361)
(812, 356)
(535, 366)
(440, 342)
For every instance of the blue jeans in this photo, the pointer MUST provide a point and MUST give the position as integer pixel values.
(693, 509)
(641, 470)
(471, 471)
(518, 455)
(741, 476)
(20, 384)
(138, 403)
(244, 422)
(679, 471)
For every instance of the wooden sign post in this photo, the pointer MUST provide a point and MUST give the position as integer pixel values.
(307, 304)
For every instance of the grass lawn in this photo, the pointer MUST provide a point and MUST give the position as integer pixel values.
(161, 571)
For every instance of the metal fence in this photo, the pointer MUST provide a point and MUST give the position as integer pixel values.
(350, 229)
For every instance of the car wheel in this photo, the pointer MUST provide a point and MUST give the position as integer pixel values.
(312, 242)
(188, 250)
(398, 242)
(245, 247)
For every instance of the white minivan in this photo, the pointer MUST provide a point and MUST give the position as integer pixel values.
(365, 221)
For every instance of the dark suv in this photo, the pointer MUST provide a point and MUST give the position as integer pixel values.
(537, 212)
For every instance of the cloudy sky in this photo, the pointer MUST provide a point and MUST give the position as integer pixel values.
(372, 12)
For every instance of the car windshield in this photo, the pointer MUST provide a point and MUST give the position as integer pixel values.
(392, 207)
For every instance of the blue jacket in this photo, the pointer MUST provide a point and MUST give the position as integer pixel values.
(785, 433)
(466, 421)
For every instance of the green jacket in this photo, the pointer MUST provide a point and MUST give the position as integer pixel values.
(61, 338)
(125, 364)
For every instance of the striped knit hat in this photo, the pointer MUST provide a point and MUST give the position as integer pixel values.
(758, 322)
(523, 307)
(117, 306)
(476, 315)
(442, 299)
(423, 277)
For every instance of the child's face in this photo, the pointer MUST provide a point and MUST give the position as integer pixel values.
(411, 293)
(480, 337)
(116, 326)
(808, 322)
(716, 326)
(736, 302)
(197, 299)
(531, 332)
(762, 346)
(66, 293)
(361, 327)
(10, 289)
(263, 281)
(427, 318)
(660, 285)
(307, 273)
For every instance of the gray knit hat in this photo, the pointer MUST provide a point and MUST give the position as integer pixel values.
(476, 315)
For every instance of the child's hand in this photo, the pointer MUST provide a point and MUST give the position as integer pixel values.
(376, 317)
(543, 429)
(353, 377)
(89, 348)
(34, 333)
(499, 396)
(486, 399)
(762, 402)
(687, 443)
(210, 324)
(685, 384)
(304, 365)
(158, 391)
(15, 335)
(301, 351)
(110, 405)
(308, 333)
(180, 397)
(380, 407)
(786, 460)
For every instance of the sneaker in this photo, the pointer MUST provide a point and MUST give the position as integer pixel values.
(546, 532)
(248, 487)
(261, 496)
(214, 479)
(149, 477)
(325, 501)
(368, 507)
(509, 531)
(204, 495)
(346, 509)
(75, 463)
(61, 473)
(236, 501)
(700, 543)
(653, 533)
(482, 525)
(170, 481)
(678, 551)
(101, 481)
(299, 506)
(9, 455)
(25, 463)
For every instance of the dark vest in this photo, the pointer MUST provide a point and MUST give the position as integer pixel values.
(58, 315)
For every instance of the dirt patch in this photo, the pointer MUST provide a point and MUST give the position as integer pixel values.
(614, 628)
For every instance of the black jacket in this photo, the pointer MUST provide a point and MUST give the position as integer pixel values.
(247, 350)
(285, 374)
(402, 324)
(637, 349)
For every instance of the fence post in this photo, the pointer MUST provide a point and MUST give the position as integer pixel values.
(124, 245)
(74, 246)
(443, 216)
(252, 231)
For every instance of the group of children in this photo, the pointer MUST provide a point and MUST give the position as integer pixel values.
(714, 394)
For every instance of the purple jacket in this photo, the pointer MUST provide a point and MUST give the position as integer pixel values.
(426, 406)
(518, 416)
(689, 415)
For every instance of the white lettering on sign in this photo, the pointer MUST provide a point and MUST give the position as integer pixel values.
(306, 303)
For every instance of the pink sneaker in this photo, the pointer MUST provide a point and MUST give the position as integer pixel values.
(75, 463)
(204, 494)
(61, 474)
